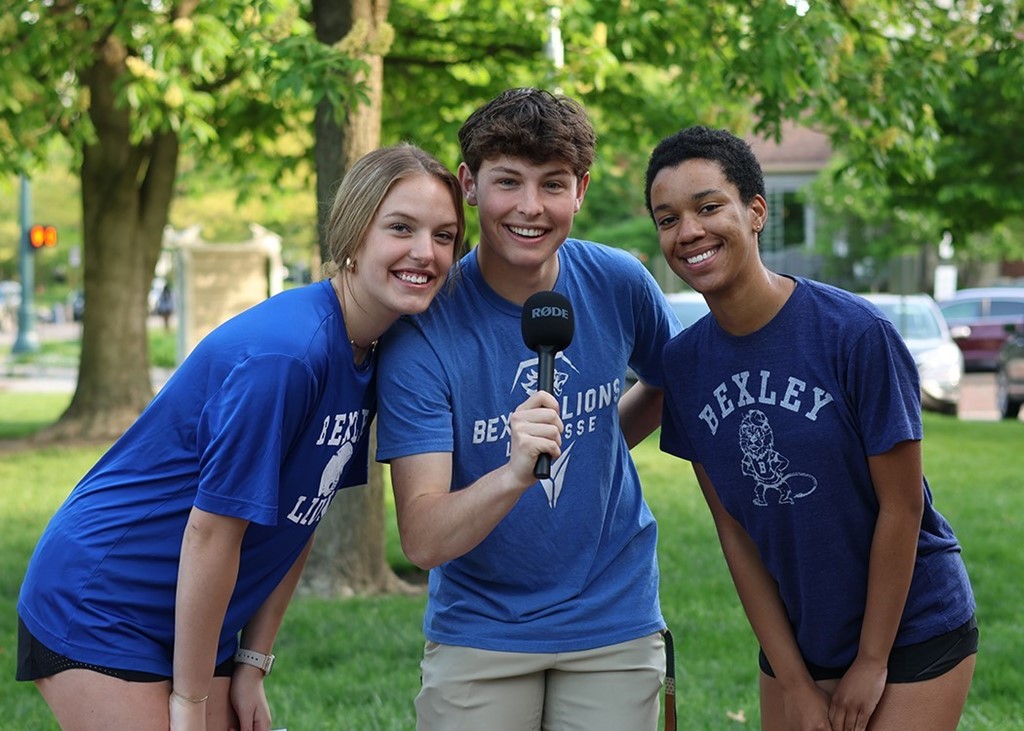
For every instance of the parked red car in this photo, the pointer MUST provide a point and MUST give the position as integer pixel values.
(977, 320)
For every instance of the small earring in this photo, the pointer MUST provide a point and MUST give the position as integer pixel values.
(350, 265)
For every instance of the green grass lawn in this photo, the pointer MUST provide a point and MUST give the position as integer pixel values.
(353, 664)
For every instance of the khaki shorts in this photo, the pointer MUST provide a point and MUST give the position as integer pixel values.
(612, 688)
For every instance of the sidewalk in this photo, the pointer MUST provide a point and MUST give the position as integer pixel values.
(42, 377)
(978, 398)
(38, 377)
(28, 379)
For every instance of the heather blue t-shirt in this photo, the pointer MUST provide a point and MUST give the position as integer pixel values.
(783, 420)
(572, 566)
(264, 421)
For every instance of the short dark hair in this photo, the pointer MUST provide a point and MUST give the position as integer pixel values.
(532, 124)
(735, 157)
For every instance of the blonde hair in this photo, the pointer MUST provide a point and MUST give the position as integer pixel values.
(364, 188)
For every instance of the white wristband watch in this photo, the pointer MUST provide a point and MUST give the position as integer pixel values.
(256, 659)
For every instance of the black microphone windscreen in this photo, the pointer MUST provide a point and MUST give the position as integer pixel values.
(547, 321)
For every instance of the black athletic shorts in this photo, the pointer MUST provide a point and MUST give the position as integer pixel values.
(36, 660)
(911, 663)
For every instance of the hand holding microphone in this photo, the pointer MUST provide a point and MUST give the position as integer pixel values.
(548, 327)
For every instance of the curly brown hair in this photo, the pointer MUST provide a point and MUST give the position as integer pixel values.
(531, 124)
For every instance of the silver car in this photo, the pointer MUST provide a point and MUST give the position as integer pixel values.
(689, 306)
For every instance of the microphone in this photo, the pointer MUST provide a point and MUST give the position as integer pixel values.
(548, 327)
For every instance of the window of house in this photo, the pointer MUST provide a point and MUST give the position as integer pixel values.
(786, 221)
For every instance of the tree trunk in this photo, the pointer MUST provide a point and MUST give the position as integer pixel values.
(348, 556)
(126, 196)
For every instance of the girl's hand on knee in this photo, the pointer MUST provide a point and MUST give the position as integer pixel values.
(807, 709)
(857, 696)
(249, 699)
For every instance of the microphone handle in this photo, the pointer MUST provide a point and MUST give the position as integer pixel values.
(545, 382)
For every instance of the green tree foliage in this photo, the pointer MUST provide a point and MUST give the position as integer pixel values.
(973, 183)
(870, 73)
(977, 191)
(227, 77)
(130, 84)
(229, 86)
(878, 76)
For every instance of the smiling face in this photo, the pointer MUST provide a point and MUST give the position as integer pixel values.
(526, 213)
(707, 234)
(407, 250)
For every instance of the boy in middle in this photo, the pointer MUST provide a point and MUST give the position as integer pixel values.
(543, 607)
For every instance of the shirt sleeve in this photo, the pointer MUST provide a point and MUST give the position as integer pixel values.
(656, 325)
(886, 387)
(673, 436)
(246, 430)
(414, 401)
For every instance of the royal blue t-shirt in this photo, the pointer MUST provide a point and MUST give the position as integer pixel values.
(783, 420)
(264, 421)
(572, 566)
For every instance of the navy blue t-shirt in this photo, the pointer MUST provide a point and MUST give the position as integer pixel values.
(783, 421)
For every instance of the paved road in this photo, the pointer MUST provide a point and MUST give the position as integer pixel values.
(978, 397)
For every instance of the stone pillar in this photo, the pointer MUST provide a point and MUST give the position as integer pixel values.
(215, 282)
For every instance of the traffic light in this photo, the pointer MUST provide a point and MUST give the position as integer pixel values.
(40, 236)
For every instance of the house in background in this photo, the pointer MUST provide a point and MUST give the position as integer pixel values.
(788, 240)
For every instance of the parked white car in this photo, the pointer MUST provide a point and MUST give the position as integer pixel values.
(688, 306)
